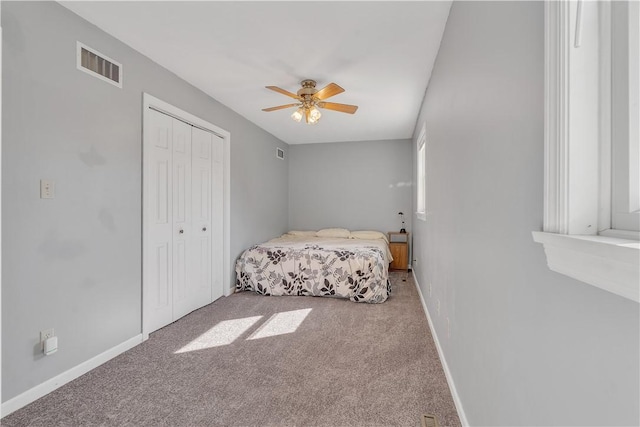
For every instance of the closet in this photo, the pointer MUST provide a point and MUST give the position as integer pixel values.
(183, 230)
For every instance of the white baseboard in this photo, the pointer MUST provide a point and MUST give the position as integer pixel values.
(445, 367)
(50, 385)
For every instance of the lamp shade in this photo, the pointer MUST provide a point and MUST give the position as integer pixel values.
(297, 115)
(314, 115)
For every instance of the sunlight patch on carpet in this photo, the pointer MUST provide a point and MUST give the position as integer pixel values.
(281, 323)
(224, 333)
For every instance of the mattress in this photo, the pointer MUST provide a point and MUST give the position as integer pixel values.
(356, 269)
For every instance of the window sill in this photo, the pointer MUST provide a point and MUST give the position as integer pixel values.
(608, 263)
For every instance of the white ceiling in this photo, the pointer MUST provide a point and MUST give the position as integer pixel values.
(380, 52)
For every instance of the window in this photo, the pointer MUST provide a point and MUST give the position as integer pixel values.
(421, 195)
(591, 144)
(625, 195)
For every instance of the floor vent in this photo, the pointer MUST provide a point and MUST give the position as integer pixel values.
(429, 420)
(98, 65)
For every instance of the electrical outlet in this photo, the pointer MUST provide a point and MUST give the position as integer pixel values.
(46, 334)
(438, 307)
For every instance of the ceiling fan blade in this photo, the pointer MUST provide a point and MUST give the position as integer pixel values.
(343, 108)
(282, 91)
(328, 91)
(279, 107)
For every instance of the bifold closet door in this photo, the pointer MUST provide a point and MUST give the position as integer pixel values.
(183, 251)
(207, 217)
(183, 230)
(201, 214)
(158, 249)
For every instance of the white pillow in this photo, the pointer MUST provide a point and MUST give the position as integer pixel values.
(334, 232)
(302, 233)
(369, 235)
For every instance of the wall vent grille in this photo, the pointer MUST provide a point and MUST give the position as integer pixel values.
(280, 153)
(429, 420)
(98, 65)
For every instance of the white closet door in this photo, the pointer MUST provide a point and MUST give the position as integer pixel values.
(183, 250)
(217, 212)
(201, 214)
(183, 286)
(158, 252)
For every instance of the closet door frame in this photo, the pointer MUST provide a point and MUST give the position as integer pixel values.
(150, 102)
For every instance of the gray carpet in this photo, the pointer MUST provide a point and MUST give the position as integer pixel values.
(347, 364)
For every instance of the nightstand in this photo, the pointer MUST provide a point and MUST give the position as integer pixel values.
(399, 247)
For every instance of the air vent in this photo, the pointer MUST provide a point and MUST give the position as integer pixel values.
(98, 65)
(429, 420)
(280, 153)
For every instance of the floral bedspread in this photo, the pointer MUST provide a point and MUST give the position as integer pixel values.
(345, 268)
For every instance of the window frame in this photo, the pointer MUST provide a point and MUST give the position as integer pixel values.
(578, 125)
(421, 175)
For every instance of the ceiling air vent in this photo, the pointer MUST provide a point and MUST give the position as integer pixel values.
(98, 65)
(280, 153)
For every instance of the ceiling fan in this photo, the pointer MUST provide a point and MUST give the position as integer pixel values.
(310, 99)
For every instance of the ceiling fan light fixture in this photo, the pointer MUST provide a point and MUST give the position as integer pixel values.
(314, 115)
(297, 115)
(310, 99)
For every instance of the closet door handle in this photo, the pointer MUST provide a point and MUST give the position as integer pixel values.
(204, 228)
(181, 231)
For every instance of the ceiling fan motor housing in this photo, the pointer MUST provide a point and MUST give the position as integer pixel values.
(308, 88)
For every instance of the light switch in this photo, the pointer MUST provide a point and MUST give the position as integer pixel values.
(47, 189)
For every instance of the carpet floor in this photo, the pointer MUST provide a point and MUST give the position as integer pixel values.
(250, 360)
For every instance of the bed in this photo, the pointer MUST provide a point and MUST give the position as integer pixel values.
(330, 263)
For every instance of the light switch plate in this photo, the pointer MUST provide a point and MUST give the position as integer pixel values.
(47, 189)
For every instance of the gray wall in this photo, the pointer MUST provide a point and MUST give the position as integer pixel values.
(527, 346)
(73, 263)
(356, 185)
